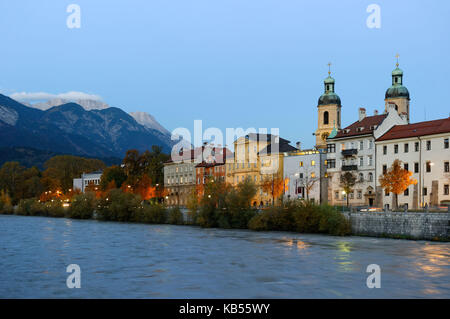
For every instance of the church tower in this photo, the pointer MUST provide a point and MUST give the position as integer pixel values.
(329, 112)
(398, 94)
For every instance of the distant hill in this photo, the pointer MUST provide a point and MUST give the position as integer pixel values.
(29, 157)
(70, 129)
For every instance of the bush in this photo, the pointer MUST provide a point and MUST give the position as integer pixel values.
(175, 216)
(152, 214)
(5, 203)
(302, 217)
(54, 209)
(31, 207)
(119, 206)
(83, 206)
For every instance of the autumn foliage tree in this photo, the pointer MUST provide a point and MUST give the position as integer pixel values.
(347, 181)
(396, 180)
(274, 186)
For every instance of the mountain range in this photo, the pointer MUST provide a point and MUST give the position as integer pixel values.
(95, 130)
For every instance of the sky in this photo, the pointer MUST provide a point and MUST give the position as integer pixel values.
(229, 63)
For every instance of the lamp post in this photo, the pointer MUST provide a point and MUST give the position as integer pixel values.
(344, 193)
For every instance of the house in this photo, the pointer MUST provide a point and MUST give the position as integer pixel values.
(305, 175)
(87, 179)
(423, 149)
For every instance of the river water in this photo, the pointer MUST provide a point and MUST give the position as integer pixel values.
(122, 260)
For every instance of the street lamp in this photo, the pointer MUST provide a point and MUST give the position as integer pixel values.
(344, 193)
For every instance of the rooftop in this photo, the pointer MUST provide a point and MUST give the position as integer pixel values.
(417, 129)
(364, 127)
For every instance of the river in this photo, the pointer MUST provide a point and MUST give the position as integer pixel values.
(125, 260)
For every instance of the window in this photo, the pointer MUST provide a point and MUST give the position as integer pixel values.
(396, 148)
(446, 190)
(446, 143)
(361, 161)
(351, 195)
(406, 166)
(406, 148)
(300, 164)
(313, 175)
(331, 163)
(384, 169)
(428, 145)
(416, 167)
(361, 145)
(313, 163)
(406, 192)
(446, 167)
(325, 117)
(370, 161)
(416, 146)
(428, 164)
(331, 148)
(384, 149)
(370, 145)
(359, 194)
(336, 195)
(361, 177)
(425, 191)
(386, 193)
(370, 177)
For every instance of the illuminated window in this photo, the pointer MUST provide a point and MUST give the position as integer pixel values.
(301, 164)
(313, 163)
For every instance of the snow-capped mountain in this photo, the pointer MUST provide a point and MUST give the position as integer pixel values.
(148, 121)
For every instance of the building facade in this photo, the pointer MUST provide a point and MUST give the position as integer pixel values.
(423, 149)
(87, 179)
(305, 175)
(213, 168)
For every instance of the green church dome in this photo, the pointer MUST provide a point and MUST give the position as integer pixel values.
(329, 98)
(397, 91)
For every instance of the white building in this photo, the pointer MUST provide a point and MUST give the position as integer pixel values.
(352, 149)
(92, 178)
(304, 172)
(424, 150)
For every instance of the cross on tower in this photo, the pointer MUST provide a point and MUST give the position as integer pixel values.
(329, 68)
(397, 56)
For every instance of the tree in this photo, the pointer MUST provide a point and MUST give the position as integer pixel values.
(308, 181)
(112, 174)
(347, 181)
(273, 185)
(11, 179)
(396, 180)
(64, 168)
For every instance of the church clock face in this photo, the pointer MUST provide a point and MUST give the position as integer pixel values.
(325, 136)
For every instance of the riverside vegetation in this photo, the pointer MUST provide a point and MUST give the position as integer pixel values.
(220, 206)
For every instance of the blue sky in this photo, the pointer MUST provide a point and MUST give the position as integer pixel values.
(230, 63)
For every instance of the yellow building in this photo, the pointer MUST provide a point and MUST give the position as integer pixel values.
(258, 157)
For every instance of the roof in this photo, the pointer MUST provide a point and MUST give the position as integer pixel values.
(282, 148)
(417, 129)
(219, 157)
(264, 137)
(198, 153)
(364, 127)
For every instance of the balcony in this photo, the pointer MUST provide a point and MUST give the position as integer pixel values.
(347, 168)
(350, 152)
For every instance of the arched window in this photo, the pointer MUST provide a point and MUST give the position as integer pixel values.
(370, 177)
(361, 177)
(325, 117)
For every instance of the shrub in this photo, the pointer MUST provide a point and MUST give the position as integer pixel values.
(152, 214)
(54, 209)
(83, 206)
(175, 216)
(31, 207)
(302, 217)
(5, 203)
(119, 206)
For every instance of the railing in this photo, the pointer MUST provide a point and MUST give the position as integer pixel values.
(349, 152)
(347, 168)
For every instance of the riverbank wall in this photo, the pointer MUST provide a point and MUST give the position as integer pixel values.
(427, 226)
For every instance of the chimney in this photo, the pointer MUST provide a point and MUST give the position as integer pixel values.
(362, 113)
(299, 144)
(391, 107)
(375, 112)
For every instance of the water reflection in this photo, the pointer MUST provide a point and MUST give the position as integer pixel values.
(152, 261)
